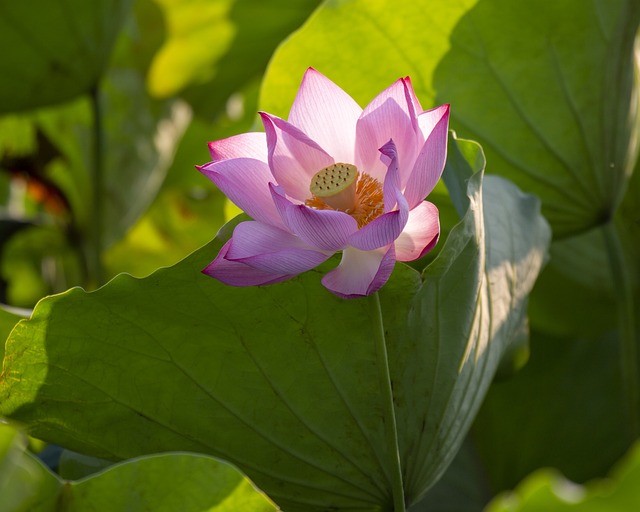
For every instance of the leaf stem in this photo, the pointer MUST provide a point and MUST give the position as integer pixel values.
(391, 431)
(627, 327)
(96, 274)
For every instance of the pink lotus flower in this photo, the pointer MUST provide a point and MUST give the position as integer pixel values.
(332, 178)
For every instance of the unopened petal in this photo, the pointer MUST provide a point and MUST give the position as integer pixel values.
(326, 230)
(272, 250)
(234, 273)
(420, 234)
(432, 157)
(245, 181)
(327, 114)
(293, 157)
(389, 116)
(360, 273)
(244, 145)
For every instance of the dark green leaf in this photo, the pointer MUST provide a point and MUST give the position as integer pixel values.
(55, 51)
(461, 488)
(563, 410)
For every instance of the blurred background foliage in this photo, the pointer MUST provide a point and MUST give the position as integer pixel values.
(144, 84)
(169, 76)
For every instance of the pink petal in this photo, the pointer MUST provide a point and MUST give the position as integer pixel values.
(380, 232)
(234, 273)
(432, 157)
(389, 116)
(385, 229)
(412, 99)
(360, 273)
(420, 234)
(272, 250)
(244, 145)
(245, 181)
(293, 157)
(327, 114)
(326, 230)
(391, 184)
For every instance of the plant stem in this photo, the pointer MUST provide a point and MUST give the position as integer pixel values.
(96, 275)
(391, 431)
(627, 327)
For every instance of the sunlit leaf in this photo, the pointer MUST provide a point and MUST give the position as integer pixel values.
(55, 51)
(215, 48)
(547, 490)
(8, 320)
(166, 483)
(26, 485)
(461, 345)
(546, 88)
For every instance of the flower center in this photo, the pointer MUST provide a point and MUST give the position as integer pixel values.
(341, 187)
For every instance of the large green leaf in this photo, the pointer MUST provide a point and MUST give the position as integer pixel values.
(545, 87)
(265, 378)
(55, 50)
(162, 483)
(454, 371)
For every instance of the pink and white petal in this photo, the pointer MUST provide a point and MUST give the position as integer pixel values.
(244, 145)
(245, 181)
(234, 273)
(293, 157)
(420, 234)
(388, 116)
(273, 250)
(412, 99)
(428, 119)
(327, 114)
(324, 230)
(431, 159)
(360, 273)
